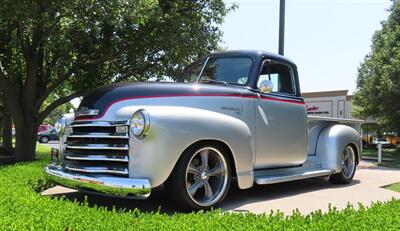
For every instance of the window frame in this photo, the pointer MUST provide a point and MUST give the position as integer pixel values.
(193, 64)
(293, 77)
(230, 57)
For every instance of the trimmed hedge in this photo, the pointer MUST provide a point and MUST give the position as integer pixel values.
(23, 208)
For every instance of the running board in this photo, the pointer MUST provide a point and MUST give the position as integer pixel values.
(272, 178)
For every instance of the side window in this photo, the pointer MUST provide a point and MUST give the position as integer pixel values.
(280, 75)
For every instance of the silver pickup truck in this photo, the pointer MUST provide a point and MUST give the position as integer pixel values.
(240, 115)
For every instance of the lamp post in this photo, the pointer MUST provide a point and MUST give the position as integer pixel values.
(281, 27)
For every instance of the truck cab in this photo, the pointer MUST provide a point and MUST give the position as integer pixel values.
(237, 114)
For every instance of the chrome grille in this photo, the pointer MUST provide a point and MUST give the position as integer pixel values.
(97, 148)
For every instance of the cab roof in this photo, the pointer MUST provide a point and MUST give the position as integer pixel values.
(256, 54)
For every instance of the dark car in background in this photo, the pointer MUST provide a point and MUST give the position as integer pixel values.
(45, 137)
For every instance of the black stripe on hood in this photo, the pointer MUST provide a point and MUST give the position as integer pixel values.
(101, 98)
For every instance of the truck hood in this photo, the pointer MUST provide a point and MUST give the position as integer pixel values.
(102, 98)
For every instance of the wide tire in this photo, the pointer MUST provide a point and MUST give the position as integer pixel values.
(201, 178)
(44, 139)
(348, 167)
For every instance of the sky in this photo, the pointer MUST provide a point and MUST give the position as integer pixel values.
(327, 39)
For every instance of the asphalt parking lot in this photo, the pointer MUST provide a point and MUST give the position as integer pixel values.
(305, 195)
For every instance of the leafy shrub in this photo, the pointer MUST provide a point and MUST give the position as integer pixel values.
(22, 208)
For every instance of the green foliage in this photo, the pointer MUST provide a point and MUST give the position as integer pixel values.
(67, 48)
(22, 208)
(369, 128)
(100, 42)
(378, 82)
(58, 112)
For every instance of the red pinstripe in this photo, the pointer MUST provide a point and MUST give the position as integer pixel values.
(189, 95)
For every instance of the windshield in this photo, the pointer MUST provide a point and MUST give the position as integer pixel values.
(224, 70)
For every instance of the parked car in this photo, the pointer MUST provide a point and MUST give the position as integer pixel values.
(381, 140)
(43, 128)
(45, 137)
(241, 116)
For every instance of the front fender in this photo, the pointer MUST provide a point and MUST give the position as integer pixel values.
(173, 129)
(331, 143)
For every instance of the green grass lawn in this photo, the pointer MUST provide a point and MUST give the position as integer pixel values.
(394, 187)
(43, 152)
(23, 208)
(387, 153)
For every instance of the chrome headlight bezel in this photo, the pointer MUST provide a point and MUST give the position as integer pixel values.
(63, 133)
(139, 123)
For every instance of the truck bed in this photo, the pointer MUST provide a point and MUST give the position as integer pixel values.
(317, 123)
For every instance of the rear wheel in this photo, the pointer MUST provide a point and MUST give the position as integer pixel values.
(44, 139)
(348, 167)
(201, 178)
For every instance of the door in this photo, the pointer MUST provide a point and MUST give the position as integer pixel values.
(281, 119)
(341, 110)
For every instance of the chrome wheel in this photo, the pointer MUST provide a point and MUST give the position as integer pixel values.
(206, 176)
(44, 139)
(348, 162)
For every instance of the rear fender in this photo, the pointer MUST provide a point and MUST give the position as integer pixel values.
(331, 143)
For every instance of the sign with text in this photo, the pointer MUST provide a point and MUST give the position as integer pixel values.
(321, 108)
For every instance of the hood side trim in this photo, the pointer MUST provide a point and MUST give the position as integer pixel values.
(188, 95)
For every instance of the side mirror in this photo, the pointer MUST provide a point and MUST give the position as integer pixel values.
(266, 86)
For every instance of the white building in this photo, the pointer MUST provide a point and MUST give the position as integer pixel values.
(329, 103)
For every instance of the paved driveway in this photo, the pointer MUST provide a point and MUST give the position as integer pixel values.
(305, 195)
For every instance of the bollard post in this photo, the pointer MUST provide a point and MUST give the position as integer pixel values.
(379, 153)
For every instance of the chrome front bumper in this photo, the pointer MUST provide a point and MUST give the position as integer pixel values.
(124, 187)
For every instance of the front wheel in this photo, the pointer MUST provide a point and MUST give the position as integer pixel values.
(348, 167)
(201, 178)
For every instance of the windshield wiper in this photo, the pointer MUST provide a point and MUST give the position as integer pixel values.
(213, 81)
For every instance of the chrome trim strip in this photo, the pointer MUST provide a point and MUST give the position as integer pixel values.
(279, 178)
(126, 187)
(125, 148)
(97, 170)
(317, 118)
(99, 135)
(98, 124)
(98, 158)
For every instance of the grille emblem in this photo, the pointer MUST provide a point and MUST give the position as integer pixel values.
(84, 111)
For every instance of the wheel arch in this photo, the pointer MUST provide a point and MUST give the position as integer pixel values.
(356, 152)
(225, 146)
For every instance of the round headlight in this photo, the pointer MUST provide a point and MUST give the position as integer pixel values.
(140, 123)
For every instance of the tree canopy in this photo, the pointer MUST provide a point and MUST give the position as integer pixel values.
(58, 112)
(66, 48)
(378, 81)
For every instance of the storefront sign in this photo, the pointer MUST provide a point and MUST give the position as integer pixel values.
(321, 108)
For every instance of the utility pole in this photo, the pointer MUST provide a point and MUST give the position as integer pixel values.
(282, 27)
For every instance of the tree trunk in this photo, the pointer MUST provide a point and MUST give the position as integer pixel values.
(26, 136)
(7, 130)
